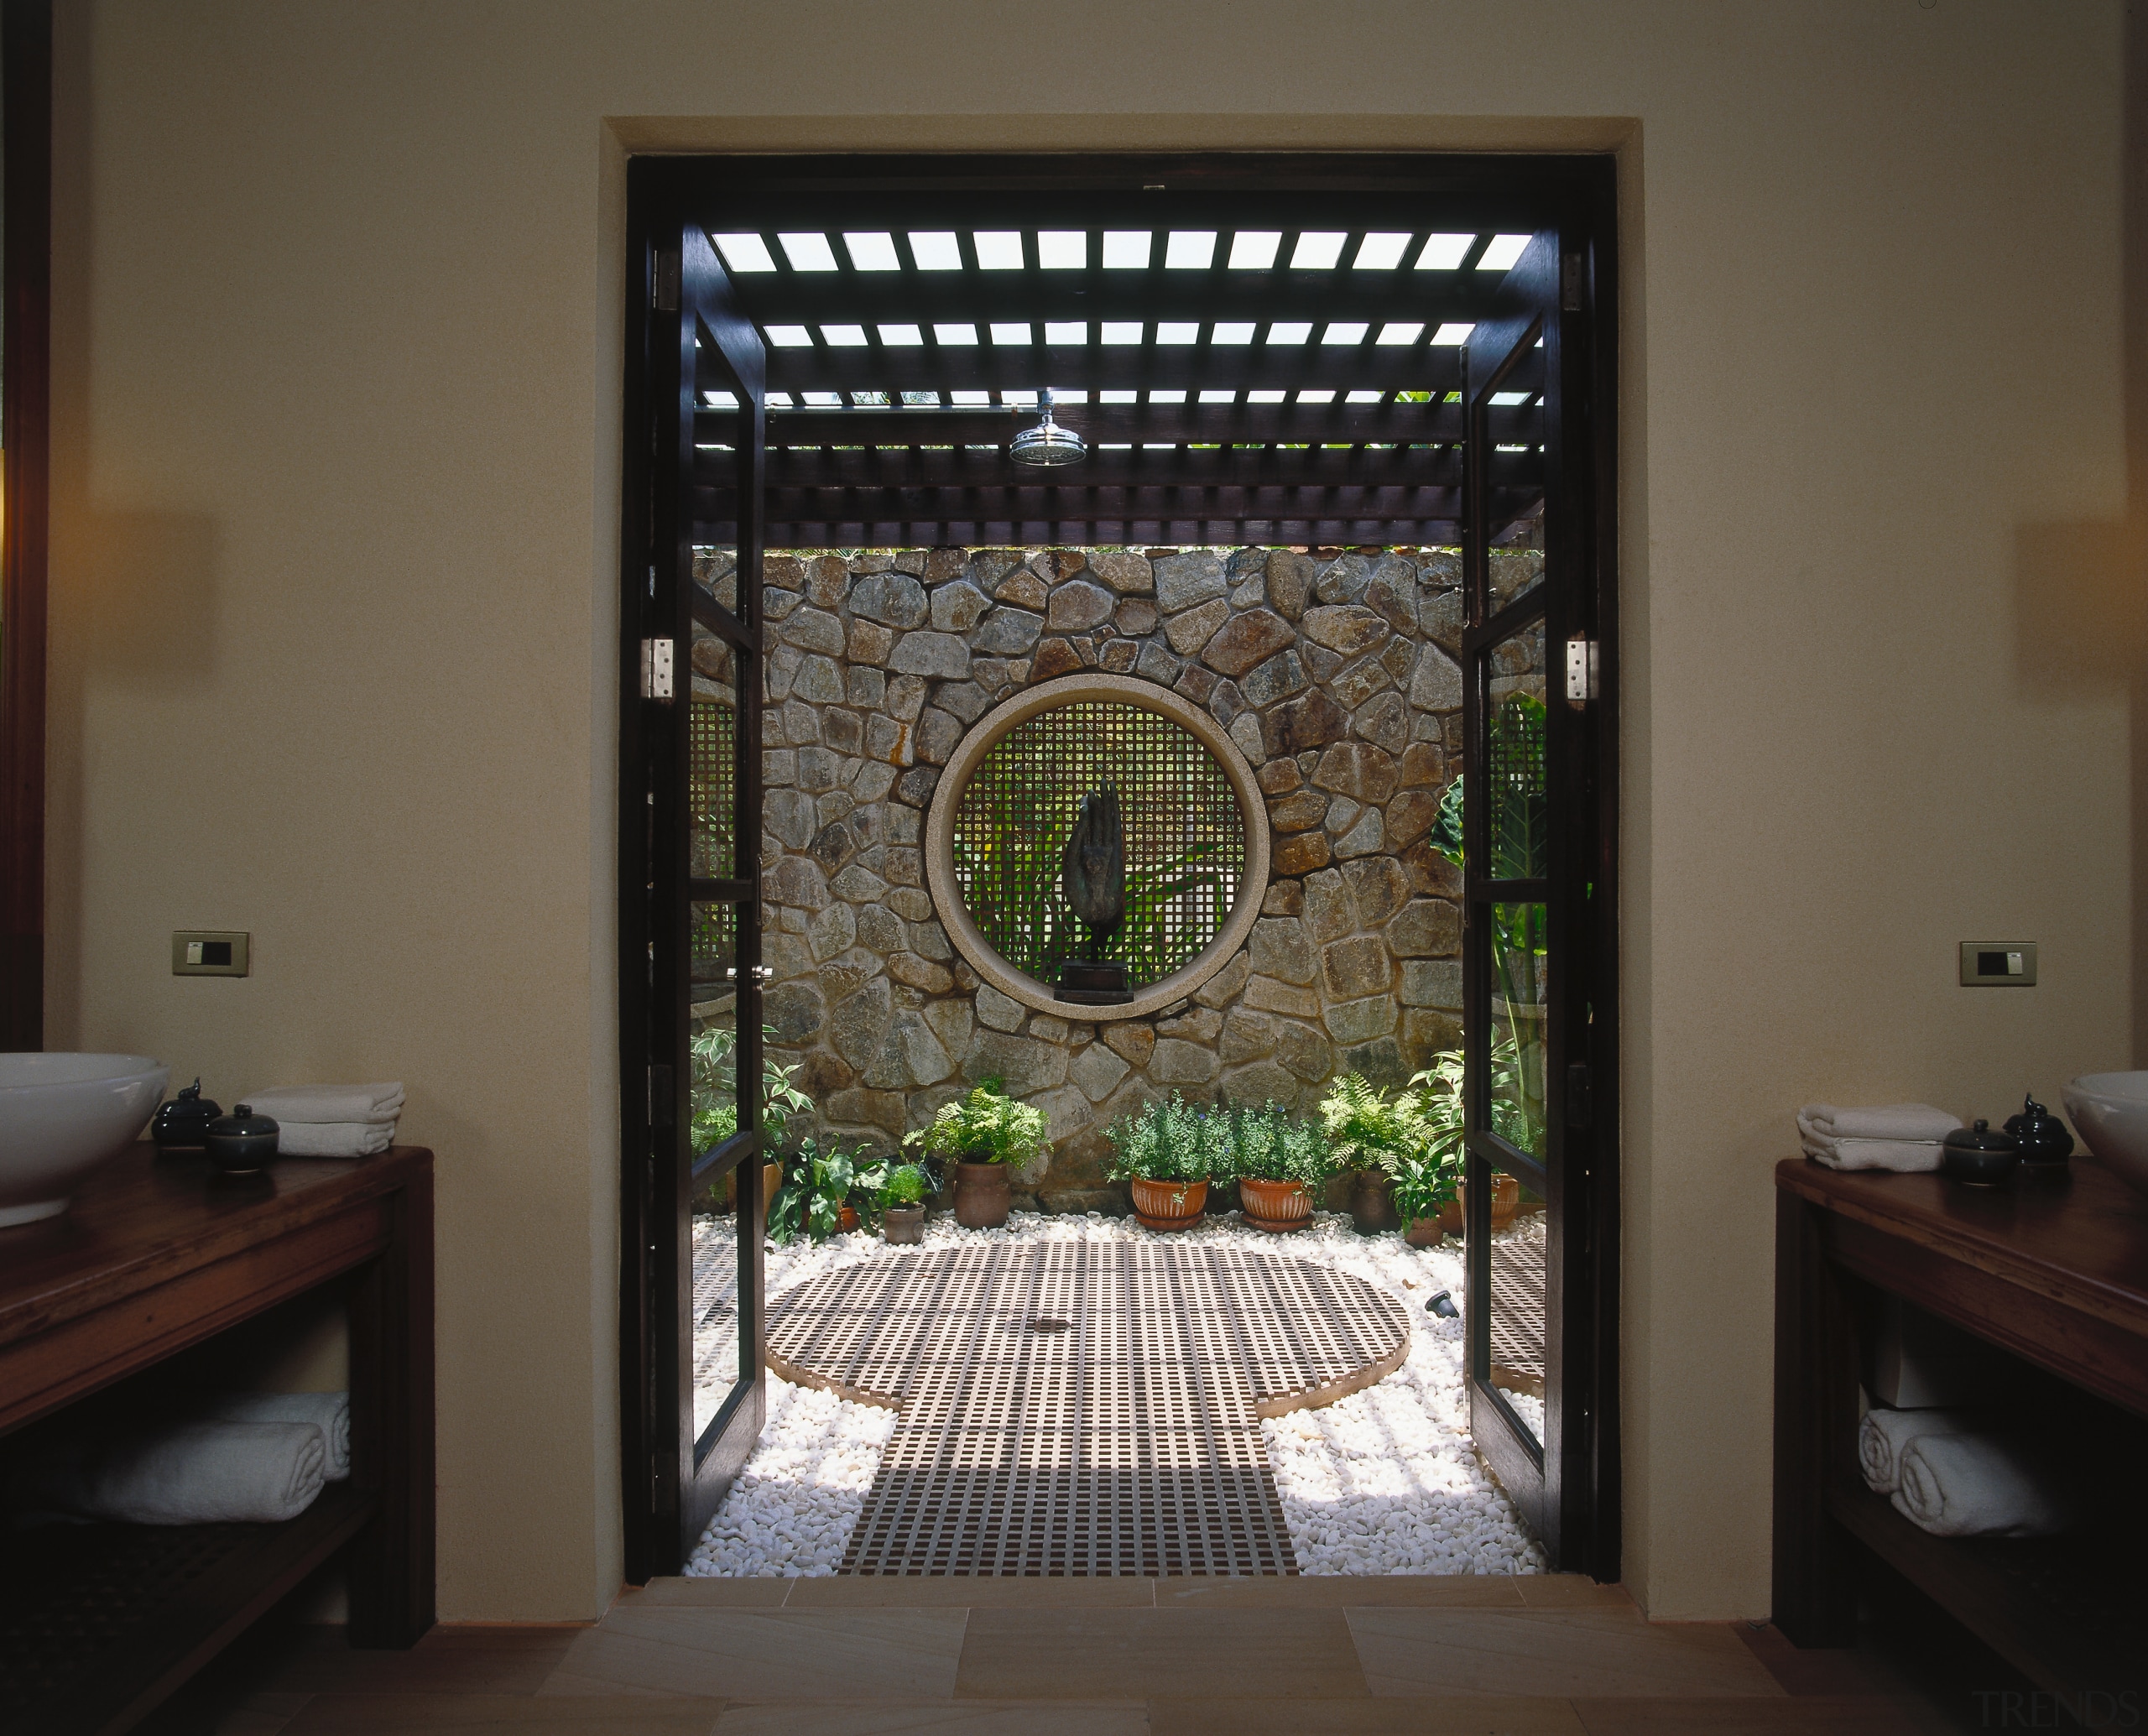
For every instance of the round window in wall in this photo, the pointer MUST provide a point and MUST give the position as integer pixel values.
(1090, 846)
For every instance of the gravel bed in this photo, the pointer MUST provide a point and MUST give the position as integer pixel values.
(1385, 1481)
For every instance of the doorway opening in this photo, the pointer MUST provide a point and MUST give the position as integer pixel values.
(1322, 604)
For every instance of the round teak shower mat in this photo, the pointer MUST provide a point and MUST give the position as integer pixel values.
(1077, 1408)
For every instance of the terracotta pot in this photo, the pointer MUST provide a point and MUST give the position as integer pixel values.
(1423, 1233)
(1169, 1205)
(1506, 1197)
(1450, 1217)
(1372, 1202)
(771, 1181)
(846, 1219)
(982, 1197)
(903, 1224)
(1275, 1206)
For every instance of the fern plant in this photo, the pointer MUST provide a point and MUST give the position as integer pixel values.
(985, 1126)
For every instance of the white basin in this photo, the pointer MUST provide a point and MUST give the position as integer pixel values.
(2111, 1112)
(62, 1116)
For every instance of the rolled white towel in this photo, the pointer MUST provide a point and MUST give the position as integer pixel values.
(329, 1412)
(372, 1103)
(1916, 1121)
(189, 1473)
(332, 1138)
(1975, 1485)
(1884, 1436)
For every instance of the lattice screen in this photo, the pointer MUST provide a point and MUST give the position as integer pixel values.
(1185, 838)
(712, 806)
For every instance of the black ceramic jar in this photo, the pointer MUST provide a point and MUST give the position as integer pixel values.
(1979, 1157)
(242, 1142)
(183, 1124)
(2041, 1139)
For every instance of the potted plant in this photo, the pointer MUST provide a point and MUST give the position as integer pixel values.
(814, 1200)
(1279, 1162)
(713, 1105)
(983, 1133)
(1374, 1134)
(1441, 1085)
(903, 1195)
(1165, 1152)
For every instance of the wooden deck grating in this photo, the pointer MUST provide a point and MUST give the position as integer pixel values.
(1082, 1408)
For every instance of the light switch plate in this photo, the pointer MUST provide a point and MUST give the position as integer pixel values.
(1999, 964)
(209, 952)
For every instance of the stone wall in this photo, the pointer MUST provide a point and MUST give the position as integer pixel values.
(1334, 672)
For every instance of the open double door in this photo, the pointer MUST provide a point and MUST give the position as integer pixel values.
(1540, 931)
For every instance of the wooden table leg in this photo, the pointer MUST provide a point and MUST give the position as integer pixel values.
(391, 1307)
(1816, 1418)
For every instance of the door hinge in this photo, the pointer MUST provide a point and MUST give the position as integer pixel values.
(659, 1097)
(1570, 284)
(664, 286)
(656, 656)
(1580, 669)
(1579, 1111)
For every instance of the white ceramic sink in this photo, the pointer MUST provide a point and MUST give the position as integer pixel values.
(2110, 1110)
(62, 1116)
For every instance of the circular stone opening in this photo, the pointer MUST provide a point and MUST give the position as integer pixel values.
(1008, 804)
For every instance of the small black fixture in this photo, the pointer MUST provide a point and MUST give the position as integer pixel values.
(183, 1124)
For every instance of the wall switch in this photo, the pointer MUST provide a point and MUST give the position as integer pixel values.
(1999, 964)
(209, 952)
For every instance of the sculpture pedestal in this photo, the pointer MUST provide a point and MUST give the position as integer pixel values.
(1092, 985)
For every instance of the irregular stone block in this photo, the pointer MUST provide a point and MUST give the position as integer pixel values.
(1361, 1021)
(912, 972)
(910, 904)
(1289, 583)
(905, 697)
(1246, 1036)
(1426, 1031)
(1301, 854)
(1432, 982)
(912, 562)
(1400, 658)
(1367, 835)
(1123, 569)
(965, 700)
(939, 654)
(915, 786)
(1245, 731)
(779, 673)
(833, 846)
(1134, 1042)
(1379, 886)
(951, 1022)
(843, 730)
(1226, 985)
(1427, 928)
(1356, 683)
(1379, 1062)
(1423, 766)
(785, 955)
(1136, 618)
(1343, 581)
(1357, 769)
(880, 929)
(1085, 648)
(1184, 580)
(1266, 994)
(1331, 913)
(860, 1022)
(995, 675)
(1320, 664)
(1024, 1067)
(1304, 1051)
(1187, 632)
(943, 564)
(888, 741)
(1345, 629)
(1410, 816)
(989, 566)
(1195, 683)
(777, 604)
(1046, 1028)
(910, 1055)
(869, 642)
(938, 735)
(905, 867)
(1179, 1062)
(1437, 687)
(1249, 639)
(788, 816)
(797, 881)
(1298, 812)
(1007, 633)
(1311, 721)
(1350, 969)
(1273, 681)
(1279, 948)
(801, 723)
(957, 608)
(814, 630)
(826, 579)
(1078, 606)
(1055, 657)
(894, 599)
(865, 688)
(1224, 703)
(1197, 1025)
(1384, 722)
(1441, 618)
(1097, 1071)
(778, 767)
(1286, 898)
(1116, 656)
(1158, 665)
(858, 1107)
(1001, 1012)
(928, 940)
(1280, 777)
(1393, 596)
(1022, 590)
(1431, 873)
(1260, 1082)
(858, 885)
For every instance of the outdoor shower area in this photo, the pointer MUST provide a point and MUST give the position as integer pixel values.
(1119, 949)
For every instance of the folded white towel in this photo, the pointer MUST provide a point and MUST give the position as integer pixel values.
(1890, 1121)
(1884, 1436)
(333, 1138)
(189, 1473)
(381, 1102)
(1910, 1156)
(1974, 1486)
(329, 1412)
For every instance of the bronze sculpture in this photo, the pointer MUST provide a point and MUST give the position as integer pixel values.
(1093, 871)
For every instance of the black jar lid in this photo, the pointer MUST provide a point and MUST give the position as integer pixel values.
(2040, 1134)
(1981, 1138)
(243, 1123)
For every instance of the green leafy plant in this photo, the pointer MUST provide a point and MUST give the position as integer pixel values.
(713, 1103)
(904, 1185)
(1271, 1144)
(1168, 1141)
(1366, 1129)
(816, 1185)
(1440, 1086)
(985, 1126)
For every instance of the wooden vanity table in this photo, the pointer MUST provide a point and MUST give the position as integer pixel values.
(98, 1623)
(2056, 1273)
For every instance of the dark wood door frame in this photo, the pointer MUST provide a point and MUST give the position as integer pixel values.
(26, 67)
(1576, 196)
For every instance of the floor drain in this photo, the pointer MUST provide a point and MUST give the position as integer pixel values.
(1046, 1323)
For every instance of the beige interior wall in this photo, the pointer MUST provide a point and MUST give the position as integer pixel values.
(336, 340)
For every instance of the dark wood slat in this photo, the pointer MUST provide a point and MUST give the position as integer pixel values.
(1108, 532)
(925, 297)
(900, 467)
(1427, 367)
(1177, 422)
(1224, 502)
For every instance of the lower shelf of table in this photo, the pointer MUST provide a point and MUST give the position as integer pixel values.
(2068, 1612)
(100, 1623)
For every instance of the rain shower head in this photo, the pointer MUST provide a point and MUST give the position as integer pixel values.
(1048, 443)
